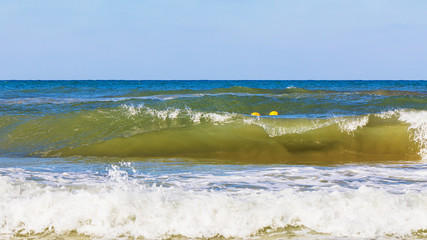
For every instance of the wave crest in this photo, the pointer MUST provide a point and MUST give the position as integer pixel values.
(121, 205)
(141, 131)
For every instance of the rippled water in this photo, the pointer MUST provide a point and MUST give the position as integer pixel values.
(185, 159)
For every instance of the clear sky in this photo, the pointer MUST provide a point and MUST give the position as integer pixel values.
(213, 39)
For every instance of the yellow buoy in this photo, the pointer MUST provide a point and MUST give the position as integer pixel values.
(273, 113)
(255, 114)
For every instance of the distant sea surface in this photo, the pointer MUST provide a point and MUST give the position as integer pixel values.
(186, 160)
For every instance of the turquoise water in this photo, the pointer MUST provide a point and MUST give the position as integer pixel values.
(161, 159)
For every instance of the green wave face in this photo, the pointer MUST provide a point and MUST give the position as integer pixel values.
(319, 122)
(143, 132)
(253, 145)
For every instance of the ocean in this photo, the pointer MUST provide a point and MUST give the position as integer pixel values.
(187, 160)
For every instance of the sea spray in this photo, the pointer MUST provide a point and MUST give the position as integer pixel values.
(121, 203)
(185, 159)
(140, 131)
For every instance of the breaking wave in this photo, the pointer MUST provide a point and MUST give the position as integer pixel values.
(140, 131)
(121, 203)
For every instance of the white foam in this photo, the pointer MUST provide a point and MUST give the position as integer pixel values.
(388, 114)
(132, 110)
(351, 124)
(273, 129)
(169, 113)
(215, 118)
(417, 121)
(119, 205)
(418, 128)
(196, 117)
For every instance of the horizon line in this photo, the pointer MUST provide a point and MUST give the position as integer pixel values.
(213, 79)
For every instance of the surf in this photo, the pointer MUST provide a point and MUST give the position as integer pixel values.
(186, 159)
(226, 202)
(144, 132)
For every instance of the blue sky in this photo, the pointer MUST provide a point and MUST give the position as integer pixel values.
(213, 39)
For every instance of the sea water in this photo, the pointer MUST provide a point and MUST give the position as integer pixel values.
(185, 159)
